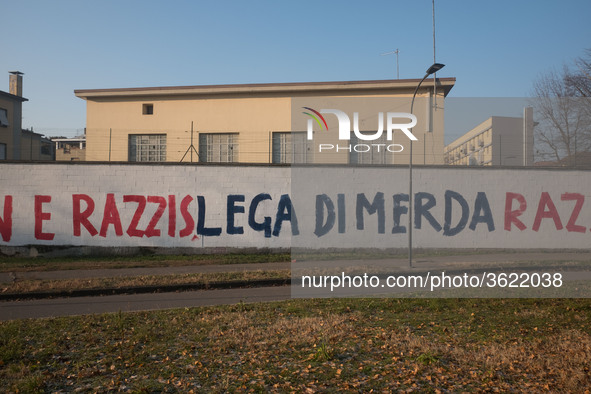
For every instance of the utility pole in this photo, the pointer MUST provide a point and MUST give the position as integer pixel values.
(434, 60)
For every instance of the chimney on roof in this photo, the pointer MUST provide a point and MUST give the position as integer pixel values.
(16, 83)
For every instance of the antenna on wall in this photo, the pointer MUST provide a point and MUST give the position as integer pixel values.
(191, 147)
(396, 52)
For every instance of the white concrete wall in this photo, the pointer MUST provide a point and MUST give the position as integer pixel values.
(61, 183)
(37, 206)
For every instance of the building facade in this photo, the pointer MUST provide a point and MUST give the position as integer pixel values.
(16, 143)
(265, 123)
(498, 141)
(35, 147)
(11, 109)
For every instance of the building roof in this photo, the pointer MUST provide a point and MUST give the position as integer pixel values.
(69, 139)
(27, 131)
(12, 96)
(264, 88)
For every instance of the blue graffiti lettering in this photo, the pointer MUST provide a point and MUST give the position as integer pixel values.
(449, 197)
(376, 206)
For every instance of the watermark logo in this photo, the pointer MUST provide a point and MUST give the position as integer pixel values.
(317, 117)
(392, 123)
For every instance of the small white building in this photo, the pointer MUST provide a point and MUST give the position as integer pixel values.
(70, 149)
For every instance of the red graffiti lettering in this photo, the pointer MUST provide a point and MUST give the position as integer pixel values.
(580, 199)
(6, 220)
(542, 213)
(187, 217)
(171, 216)
(132, 230)
(81, 218)
(152, 231)
(111, 216)
(41, 216)
(510, 214)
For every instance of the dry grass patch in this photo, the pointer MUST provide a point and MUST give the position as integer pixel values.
(344, 345)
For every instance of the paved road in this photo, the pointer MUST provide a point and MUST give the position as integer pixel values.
(89, 305)
(137, 302)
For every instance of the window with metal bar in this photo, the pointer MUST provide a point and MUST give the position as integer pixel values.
(147, 147)
(291, 147)
(218, 147)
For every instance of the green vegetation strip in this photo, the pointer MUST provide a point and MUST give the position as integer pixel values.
(335, 345)
(23, 264)
(137, 284)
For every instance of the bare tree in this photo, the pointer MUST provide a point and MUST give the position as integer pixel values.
(562, 107)
(578, 78)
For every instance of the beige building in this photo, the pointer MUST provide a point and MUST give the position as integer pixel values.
(265, 123)
(498, 141)
(16, 143)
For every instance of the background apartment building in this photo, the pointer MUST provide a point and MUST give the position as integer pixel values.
(498, 141)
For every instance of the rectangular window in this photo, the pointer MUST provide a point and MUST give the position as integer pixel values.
(3, 117)
(147, 147)
(2, 151)
(218, 147)
(148, 109)
(369, 152)
(291, 148)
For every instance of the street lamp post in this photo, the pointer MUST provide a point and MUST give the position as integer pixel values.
(431, 70)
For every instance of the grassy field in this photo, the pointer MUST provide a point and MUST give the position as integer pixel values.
(351, 345)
